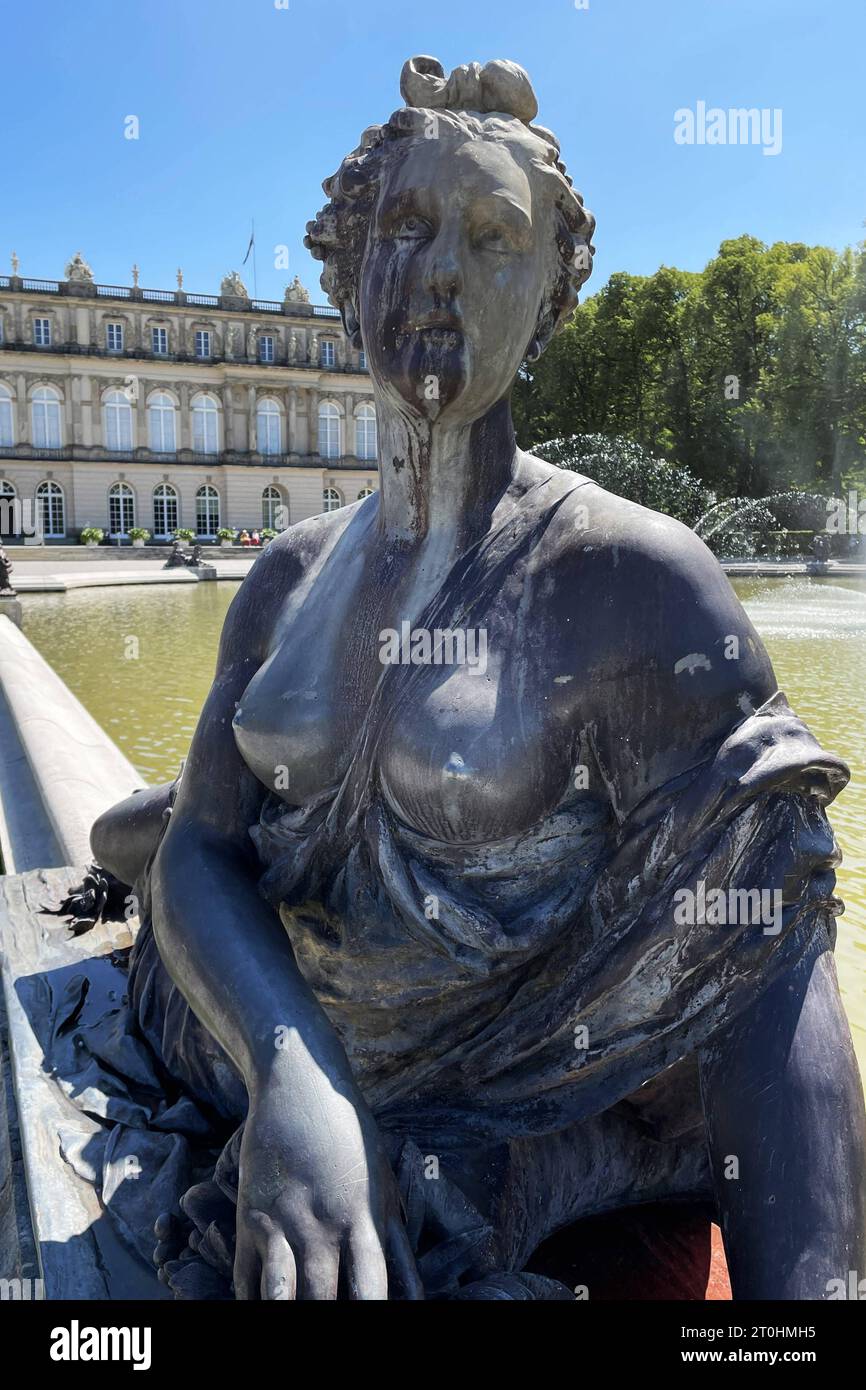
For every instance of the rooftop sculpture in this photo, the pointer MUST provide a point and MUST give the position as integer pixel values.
(296, 293)
(232, 286)
(78, 270)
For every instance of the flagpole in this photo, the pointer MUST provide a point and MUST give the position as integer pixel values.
(255, 276)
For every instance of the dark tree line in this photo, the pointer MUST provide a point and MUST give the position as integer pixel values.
(751, 373)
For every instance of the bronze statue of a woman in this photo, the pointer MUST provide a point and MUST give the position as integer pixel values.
(462, 951)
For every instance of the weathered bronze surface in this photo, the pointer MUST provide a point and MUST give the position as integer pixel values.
(497, 890)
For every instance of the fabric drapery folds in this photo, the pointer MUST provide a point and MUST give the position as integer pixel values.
(575, 962)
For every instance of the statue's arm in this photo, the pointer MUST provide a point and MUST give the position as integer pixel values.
(782, 1095)
(222, 945)
(316, 1191)
(786, 1134)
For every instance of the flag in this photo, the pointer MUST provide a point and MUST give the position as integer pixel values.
(249, 248)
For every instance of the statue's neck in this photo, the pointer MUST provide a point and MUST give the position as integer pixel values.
(439, 480)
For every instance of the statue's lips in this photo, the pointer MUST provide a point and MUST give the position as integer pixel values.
(435, 333)
(442, 323)
(433, 320)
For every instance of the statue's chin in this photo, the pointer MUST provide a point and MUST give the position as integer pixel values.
(430, 372)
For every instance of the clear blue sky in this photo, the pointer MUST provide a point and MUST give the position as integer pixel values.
(244, 108)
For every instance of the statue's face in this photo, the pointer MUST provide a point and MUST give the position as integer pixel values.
(458, 258)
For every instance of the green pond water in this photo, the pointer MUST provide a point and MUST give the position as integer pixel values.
(815, 631)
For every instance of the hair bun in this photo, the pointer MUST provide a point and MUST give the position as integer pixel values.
(498, 86)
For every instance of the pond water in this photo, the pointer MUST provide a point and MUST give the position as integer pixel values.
(141, 660)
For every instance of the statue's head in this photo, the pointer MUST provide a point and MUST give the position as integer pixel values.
(453, 242)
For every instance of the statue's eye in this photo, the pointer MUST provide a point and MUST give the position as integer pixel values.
(412, 228)
(493, 239)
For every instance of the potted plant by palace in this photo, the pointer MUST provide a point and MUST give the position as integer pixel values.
(138, 535)
(267, 534)
(226, 537)
(92, 535)
(183, 533)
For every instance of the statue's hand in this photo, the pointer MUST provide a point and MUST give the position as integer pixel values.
(318, 1208)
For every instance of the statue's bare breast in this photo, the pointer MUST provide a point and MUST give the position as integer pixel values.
(483, 747)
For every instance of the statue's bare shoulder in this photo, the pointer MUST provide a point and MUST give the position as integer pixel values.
(660, 634)
(255, 611)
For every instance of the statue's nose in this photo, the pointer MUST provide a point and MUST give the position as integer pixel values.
(444, 270)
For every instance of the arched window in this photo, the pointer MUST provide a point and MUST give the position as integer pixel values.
(117, 415)
(45, 413)
(365, 492)
(165, 512)
(9, 523)
(329, 431)
(121, 509)
(365, 432)
(205, 425)
(161, 423)
(7, 419)
(207, 511)
(51, 509)
(331, 500)
(268, 427)
(274, 509)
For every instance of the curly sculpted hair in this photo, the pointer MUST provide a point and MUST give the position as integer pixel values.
(495, 101)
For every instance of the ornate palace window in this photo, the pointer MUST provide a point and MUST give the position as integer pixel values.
(10, 524)
(205, 425)
(45, 418)
(268, 434)
(207, 511)
(7, 418)
(121, 509)
(117, 417)
(273, 509)
(161, 423)
(165, 510)
(329, 431)
(51, 509)
(365, 432)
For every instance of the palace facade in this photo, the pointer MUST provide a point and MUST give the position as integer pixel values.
(122, 406)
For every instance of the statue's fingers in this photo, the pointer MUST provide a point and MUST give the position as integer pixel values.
(247, 1265)
(254, 1231)
(367, 1272)
(405, 1281)
(279, 1272)
(318, 1273)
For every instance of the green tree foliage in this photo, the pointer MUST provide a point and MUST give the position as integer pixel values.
(750, 374)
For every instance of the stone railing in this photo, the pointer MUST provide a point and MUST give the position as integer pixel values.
(140, 354)
(86, 289)
(82, 453)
